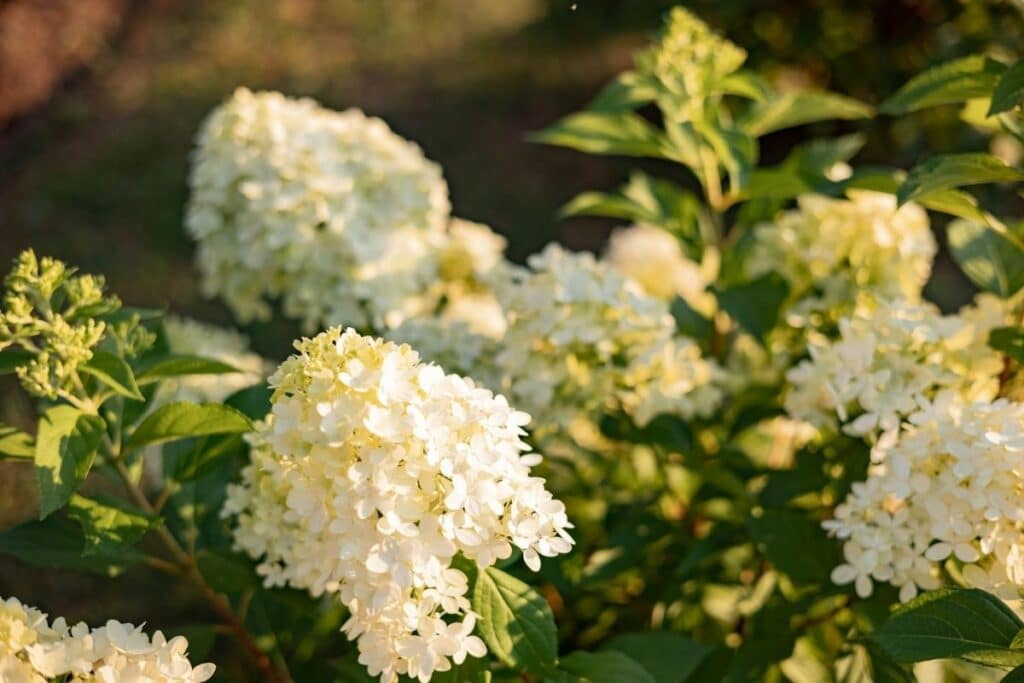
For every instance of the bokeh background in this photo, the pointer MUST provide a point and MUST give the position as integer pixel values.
(100, 100)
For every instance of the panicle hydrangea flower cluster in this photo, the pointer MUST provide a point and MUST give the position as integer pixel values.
(687, 64)
(950, 486)
(372, 472)
(830, 251)
(890, 356)
(330, 211)
(55, 316)
(654, 259)
(33, 650)
(580, 335)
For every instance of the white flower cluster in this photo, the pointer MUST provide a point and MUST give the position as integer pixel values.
(653, 259)
(582, 338)
(330, 211)
(830, 251)
(372, 472)
(194, 338)
(891, 356)
(950, 486)
(32, 650)
(453, 345)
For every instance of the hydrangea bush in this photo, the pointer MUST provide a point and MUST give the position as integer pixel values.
(741, 444)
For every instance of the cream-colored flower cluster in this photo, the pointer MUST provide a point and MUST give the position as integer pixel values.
(330, 211)
(949, 486)
(372, 472)
(582, 339)
(654, 259)
(33, 650)
(831, 251)
(687, 64)
(888, 358)
(193, 338)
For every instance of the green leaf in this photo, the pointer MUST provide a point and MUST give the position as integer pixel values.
(745, 84)
(15, 443)
(227, 572)
(804, 169)
(55, 542)
(1015, 676)
(626, 92)
(174, 365)
(515, 622)
(796, 109)
(65, 449)
(182, 420)
(736, 152)
(11, 359)
(1009, 91)
(597, 132)
(1008, 340)
(470, 671)
(956, 81)
(690, 322)
(884, 669)
(599, 667)
(955, 170)
(966, 624)
(114, 373)
(205, 456)
(755, 305)
(796, 544)
(111, 526)
(253, 402)
(667, 657)
(991, 259)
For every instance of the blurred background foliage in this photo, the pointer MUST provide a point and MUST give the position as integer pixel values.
(100, 99)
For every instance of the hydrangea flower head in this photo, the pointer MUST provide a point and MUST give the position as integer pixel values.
(830, 251)
(889, 357)
(372, 472)
(32, 650)
(330, 211)
(687, 63)
(949, 486)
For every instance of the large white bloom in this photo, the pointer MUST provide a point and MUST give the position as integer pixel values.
(371, 473)
(32, 650)
(330, 211)
(888, 358)
(950, 485)
(582, 339)
(830, 251)
(653, 259)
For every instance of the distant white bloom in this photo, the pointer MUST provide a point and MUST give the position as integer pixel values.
(830, 251)
(371, 473)
(949, 486)
(34, 651)
(330, 211)
(583, 339)
(653, 258)
(888, 358)
(453, 345)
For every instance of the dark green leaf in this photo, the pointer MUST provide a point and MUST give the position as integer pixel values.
(182, 420)
(178, 365)
(994, 261)
(10, 359)
(956, 81)
(599, 667)
(947, 171)
(227, 572)
(470, 671)
(114, 373)
(804, 169)
(111, 526)
(755, 305)
(1015, 676)
(667, 657)
(15, 443)
(65, 448)
(253, 402)
(596, 132)
(796, 109)
(625, 92)
(690, 322)
(1008, 340)
(966, 624)
(884, 669)
(55, 542)
(515, 622)
(205, 455)
(200, 639)
(795, 544)
(1009, 91)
